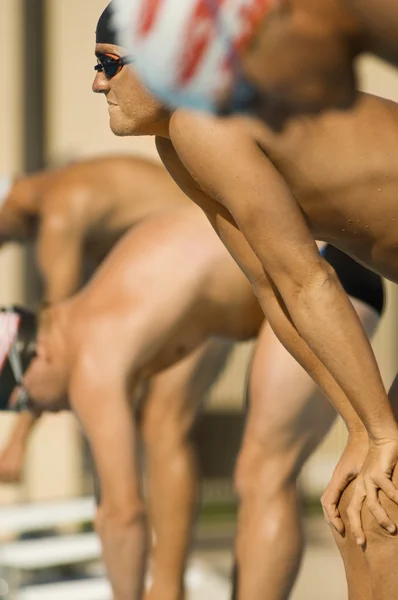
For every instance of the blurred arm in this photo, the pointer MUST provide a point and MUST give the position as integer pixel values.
(60, 257)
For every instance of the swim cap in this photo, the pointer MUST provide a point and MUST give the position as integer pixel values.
(5, 187)
(18, 329)
(188, 51)
(105, 32)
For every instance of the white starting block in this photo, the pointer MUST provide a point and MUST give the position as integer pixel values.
(45, 553)
(201, 581)
(24, 518)
(87, 589)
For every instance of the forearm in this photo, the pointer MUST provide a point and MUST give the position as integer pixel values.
(124, 550)
(23, 428)
(288, 335)
(327, 322)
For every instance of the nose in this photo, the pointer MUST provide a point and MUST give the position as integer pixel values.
(100, 83)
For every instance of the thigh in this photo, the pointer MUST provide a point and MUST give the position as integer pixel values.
(286, 409)
(178, 393)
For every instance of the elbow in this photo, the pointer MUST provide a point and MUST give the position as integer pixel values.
(308, 283)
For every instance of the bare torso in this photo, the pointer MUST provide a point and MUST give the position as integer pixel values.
(341, 167)
(343, 170)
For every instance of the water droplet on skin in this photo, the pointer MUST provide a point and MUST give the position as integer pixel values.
(379, 190)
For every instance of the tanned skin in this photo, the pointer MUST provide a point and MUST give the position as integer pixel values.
(313, 182)
(166, 291)
(76, 215)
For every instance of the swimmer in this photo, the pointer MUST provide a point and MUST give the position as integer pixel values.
(275, 58)
(76, 215)
(269, 197)
(164, 306)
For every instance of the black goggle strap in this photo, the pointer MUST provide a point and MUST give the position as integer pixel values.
(14, 358)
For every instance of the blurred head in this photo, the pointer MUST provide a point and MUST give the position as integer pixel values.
(46, 379)
(18, 328)
(302, 57)
(133, 110)
(285, 55)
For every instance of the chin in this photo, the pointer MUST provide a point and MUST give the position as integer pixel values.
(123, 129)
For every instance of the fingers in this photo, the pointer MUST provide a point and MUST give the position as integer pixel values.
(331, 498)
(329, 501)
(354, 513)
(387, 486)
(374, 506)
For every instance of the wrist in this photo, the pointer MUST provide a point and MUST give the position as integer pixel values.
(383, 435)
(358, 435)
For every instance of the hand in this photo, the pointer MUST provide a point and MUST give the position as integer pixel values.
(11, 463)
(376, 474)
(347, 469)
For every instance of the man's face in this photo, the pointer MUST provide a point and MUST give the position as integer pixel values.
(132, 108)
(302, 61)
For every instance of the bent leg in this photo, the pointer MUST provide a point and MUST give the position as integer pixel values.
(372, 571)
(355, 564)
(381, 551)
(287, 420)
(169, 412)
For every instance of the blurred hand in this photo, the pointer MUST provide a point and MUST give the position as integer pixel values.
(11, 463)
(376, 474)
(347, 469)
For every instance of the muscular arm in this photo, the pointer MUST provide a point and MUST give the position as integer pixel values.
(235, 172)
(60, 257)
(100, 400)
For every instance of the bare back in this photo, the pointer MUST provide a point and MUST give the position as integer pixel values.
(167, 287)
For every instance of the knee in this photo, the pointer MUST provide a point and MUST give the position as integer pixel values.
(373, 531)
(261, 469)
(119, 515)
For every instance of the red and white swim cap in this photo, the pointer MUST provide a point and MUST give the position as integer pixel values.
(187, 51)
